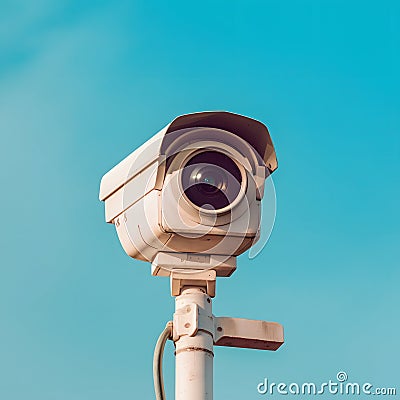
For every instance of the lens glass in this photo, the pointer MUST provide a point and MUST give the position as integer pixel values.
(211, 180)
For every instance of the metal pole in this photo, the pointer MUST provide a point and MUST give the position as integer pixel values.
(194, 354)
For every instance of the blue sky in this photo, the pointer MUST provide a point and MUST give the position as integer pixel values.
(82, 84)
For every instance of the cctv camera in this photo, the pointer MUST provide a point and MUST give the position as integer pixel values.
(189, 198)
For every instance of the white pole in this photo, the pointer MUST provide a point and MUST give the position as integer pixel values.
(194, 354)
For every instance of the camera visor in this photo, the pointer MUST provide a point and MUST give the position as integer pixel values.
(211, 180)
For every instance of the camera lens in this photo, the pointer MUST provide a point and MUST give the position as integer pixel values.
(211, 180)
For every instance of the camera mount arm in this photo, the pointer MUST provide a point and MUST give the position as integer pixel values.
(196, 331)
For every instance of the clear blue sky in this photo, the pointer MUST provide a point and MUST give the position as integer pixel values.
(83, 83)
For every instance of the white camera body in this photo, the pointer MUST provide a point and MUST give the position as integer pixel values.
(189, 198)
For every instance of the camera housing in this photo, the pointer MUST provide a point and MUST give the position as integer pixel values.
(190, 197)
